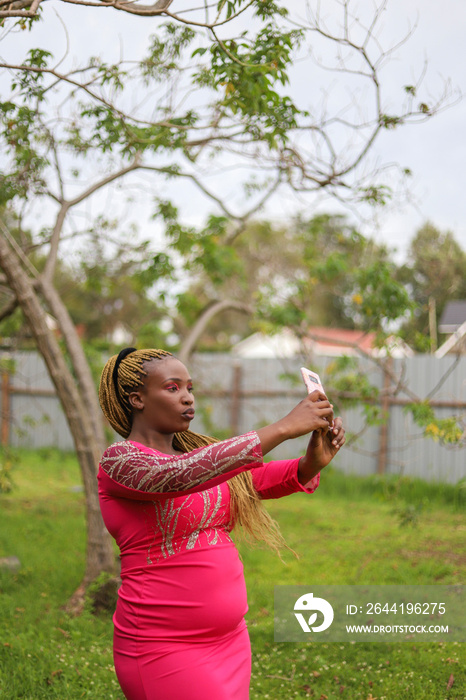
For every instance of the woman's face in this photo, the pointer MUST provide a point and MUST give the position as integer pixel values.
(165, 403)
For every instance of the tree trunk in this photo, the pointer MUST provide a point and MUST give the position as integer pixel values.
(100, 556)
(78, 359)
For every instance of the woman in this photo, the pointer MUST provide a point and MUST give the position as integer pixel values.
(170, 498)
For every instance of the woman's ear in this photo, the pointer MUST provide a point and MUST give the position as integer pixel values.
(135, 400)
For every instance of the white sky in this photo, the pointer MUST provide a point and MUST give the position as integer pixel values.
(434, 151)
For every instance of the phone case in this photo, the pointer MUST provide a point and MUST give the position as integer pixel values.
(311, 380)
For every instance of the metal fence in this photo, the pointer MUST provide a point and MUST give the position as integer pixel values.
(234, 395)
(31, 414)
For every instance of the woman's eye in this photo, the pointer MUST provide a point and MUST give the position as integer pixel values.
(190, 387)
(172, 387)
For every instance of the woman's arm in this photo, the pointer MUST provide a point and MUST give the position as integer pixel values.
(144, 471)
(280, 478)
(284, 477)
(139, 471)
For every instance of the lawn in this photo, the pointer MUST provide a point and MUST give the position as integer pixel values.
(351, 531)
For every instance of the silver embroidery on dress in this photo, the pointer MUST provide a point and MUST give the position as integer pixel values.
(154, 472)
(206, 519)
(158, 473)
(165, 519)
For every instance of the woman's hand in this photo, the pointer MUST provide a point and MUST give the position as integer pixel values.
(312, 413)
(322, 448)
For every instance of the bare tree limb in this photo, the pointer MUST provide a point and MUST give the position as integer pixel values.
(87, 448)
(66, 205)
(157, 9)
(9, 308)
(19, 252)
(64, 77)
(15, 9)
(203, 321)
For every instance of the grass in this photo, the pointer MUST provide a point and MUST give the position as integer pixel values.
(349, 532)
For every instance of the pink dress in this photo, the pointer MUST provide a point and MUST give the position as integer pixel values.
(179, 627)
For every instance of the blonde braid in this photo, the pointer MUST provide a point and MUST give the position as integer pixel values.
(246, 508)
(131, 373)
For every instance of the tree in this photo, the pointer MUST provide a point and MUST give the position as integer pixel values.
(307, 273)
(340, 278)
(108, 291)
(88, 437)
(435, 273)
(203, 103)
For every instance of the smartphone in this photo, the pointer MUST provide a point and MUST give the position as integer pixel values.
(312, 381)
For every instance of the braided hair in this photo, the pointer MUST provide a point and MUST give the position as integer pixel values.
(126, 372)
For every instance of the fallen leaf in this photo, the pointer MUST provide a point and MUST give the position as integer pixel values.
(316, 674)
(451, 680)
(58, 673)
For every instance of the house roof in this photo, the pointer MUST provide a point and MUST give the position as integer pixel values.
(456, 343)
(339, 339)
(454, 314)
(319, 341)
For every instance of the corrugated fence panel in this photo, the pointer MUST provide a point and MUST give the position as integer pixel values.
(245, 394)
(409, 453)
(37, 420)
(212, 380)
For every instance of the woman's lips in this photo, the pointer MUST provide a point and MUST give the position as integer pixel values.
(189, 414)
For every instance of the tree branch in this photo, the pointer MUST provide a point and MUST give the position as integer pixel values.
(9, 308)
(61, 77)
(203, 321)
(17, 11)
(159, 8)
(66, 205)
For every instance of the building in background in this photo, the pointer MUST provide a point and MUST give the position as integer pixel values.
(321, 342)
(453, 323)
